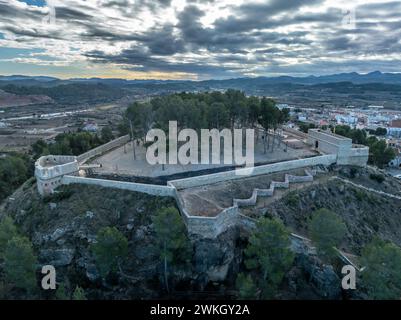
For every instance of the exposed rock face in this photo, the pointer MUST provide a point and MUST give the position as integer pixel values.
(58, 233)
(321, 276)
(56, 257)
(213, 258)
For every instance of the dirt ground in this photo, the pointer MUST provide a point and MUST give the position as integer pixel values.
(121, 160)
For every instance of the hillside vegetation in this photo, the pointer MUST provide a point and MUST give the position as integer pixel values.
(149, 260)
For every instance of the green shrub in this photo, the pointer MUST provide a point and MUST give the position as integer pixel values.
(292, 199)
(59, 195)
(79, 294)
(245, 286)
(382, 274)
(7, 231)
(61, 293)
(359, 194)
(353, 172)
(377, 177)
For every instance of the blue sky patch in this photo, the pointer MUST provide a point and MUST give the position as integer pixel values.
(9, 53)
(38, 3)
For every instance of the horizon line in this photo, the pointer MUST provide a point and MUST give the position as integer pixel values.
(192, 80)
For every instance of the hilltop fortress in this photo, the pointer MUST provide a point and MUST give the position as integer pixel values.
(209, 203)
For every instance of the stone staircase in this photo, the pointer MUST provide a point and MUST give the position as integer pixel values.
(288, 178)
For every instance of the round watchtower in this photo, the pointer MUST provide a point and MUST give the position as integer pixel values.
(49, 171)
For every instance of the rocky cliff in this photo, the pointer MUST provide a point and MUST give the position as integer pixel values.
(62, 228)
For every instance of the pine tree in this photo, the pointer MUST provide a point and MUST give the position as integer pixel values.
(382, 273)
(269, 253)
(20, 263)
(172, 243)
(327, 230)
(246, 287)
(111, 247)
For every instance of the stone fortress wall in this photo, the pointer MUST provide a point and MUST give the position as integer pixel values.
(52, 171)
(155, 190)
(103, 149)
(324, 160)
(330, 143)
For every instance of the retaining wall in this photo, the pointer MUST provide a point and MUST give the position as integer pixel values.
(273, 185)
(211, 227)
(103, 148)
(296, 132)
(156, 190)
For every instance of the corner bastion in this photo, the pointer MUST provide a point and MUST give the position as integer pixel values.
(330, 143)
(49, 171)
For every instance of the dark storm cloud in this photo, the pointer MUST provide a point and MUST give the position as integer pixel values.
(340, 43)
(71, 14)
(260, 15)
(7, 11)
(161, 41)
(140, 60)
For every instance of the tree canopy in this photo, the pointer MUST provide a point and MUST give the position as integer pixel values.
(172, 242)
(382, 273)
(8, 230)
(327, 230)
(110, 248)
(15, 169)
(232, 109)
(20, 263)
(268, 254)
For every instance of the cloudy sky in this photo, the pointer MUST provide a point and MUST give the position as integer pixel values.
(198, 39)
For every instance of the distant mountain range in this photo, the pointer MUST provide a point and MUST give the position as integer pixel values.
(339, 89)
(354, 77)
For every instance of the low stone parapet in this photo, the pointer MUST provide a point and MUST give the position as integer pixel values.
(103, 148)
(156, 190)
